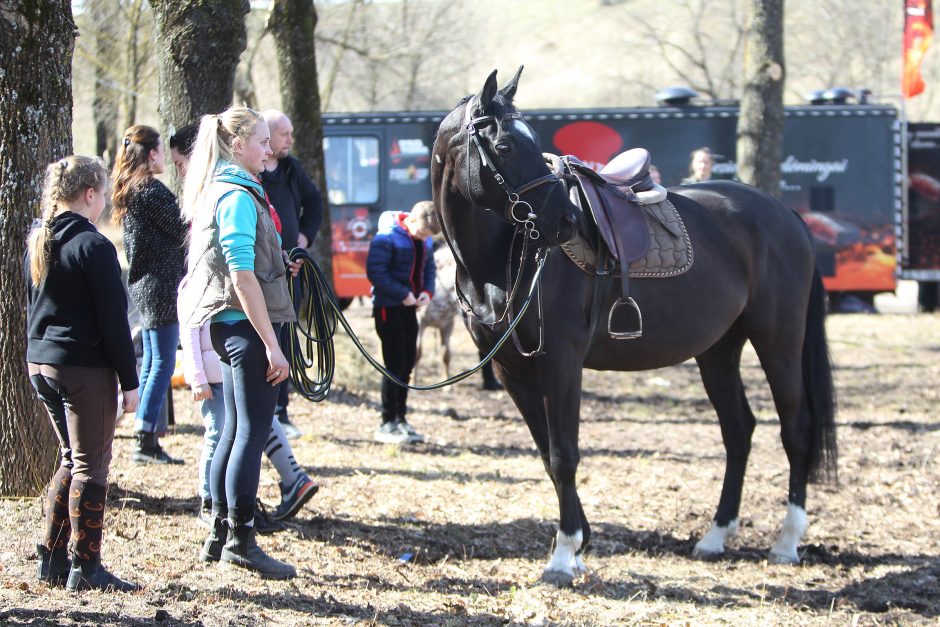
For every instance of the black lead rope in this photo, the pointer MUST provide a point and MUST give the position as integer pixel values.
(311, 346)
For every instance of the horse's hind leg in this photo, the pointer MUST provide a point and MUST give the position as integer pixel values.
(574, 533)
(782, 364)
(720, 367)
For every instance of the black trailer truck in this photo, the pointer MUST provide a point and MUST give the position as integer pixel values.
(842, 171)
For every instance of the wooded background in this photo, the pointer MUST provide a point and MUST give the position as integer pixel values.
(426, 54)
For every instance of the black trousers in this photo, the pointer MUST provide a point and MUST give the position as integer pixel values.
(397, 328)
(285, 340)
(249, 408)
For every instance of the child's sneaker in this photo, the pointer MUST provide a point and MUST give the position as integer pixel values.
(392, 433)
(413, 436)
(294, 497)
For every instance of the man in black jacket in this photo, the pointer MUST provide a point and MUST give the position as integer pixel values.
(299, 206)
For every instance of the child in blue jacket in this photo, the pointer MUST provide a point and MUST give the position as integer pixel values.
(401, 268)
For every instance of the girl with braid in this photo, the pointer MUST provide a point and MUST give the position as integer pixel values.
(154, 235)
(78, 350)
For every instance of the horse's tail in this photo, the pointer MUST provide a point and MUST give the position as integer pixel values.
(818, 388)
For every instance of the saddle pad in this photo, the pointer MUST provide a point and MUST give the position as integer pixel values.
(669, 254)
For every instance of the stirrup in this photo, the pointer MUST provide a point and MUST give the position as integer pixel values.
(624, 335)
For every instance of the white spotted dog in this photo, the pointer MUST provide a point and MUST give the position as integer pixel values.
(442, 311)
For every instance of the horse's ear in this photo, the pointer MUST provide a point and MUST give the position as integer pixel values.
(486, 95)
(509, 91)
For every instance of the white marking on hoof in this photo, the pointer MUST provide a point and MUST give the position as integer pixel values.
(565, 560)
(712, 543)
(794, 526)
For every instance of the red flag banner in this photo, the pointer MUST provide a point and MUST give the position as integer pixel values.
(918, 33)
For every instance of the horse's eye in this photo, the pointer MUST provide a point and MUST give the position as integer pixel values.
(502, 148)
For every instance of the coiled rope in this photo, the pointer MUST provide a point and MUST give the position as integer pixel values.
(311, 345)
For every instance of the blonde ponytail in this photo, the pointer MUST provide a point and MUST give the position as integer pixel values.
(213, 143)
(66, 180)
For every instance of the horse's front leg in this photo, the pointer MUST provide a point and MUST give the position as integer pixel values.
(561, 384)
(574, 533)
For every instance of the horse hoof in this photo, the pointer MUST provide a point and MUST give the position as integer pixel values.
(557, 578)
(779, 558)
(706, 555)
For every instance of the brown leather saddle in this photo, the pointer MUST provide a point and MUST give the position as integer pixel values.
(613, 201)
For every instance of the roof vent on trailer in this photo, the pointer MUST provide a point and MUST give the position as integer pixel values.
(837, 96)
(676, 96)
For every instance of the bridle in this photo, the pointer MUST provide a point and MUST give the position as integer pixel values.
(514, 196)
(525, 222)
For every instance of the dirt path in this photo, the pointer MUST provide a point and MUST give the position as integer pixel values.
(475, 512)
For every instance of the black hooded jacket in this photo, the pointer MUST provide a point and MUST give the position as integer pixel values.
(296, 199)
(78, 314)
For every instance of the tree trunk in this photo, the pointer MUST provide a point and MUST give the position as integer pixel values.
(199, 44)
(105, 104)
(35, 129)
(292, 24)
(133, 60)
(760, 126)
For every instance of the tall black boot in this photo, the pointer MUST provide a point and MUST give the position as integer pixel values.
(242, 550)
(86, 510)
(212, 547)
(53, 565)
(149, 451)
(91, 575)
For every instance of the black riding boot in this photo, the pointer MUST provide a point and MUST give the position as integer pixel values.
(212, 547)
(53, 565)
(53, 552)
(149, 451)
(242, 550)
(91, 575)
(87, 504)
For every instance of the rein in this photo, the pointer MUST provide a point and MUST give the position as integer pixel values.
(311, 343)
(525, 223)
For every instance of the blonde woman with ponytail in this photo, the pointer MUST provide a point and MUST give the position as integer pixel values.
(78, 351)
(236, 281)
(154, 236)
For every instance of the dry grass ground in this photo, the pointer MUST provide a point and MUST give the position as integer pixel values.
(475, 512)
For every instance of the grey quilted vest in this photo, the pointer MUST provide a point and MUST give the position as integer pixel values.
(207, 288)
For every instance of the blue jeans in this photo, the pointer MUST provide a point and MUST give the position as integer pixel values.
(213, 416)
(159, 361)
(249, 408)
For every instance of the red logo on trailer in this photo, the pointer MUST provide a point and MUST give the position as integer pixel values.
(591, 142)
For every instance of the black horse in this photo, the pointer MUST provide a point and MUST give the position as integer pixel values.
(754, 279)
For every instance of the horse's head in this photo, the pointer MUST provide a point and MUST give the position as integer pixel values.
(493, 159)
